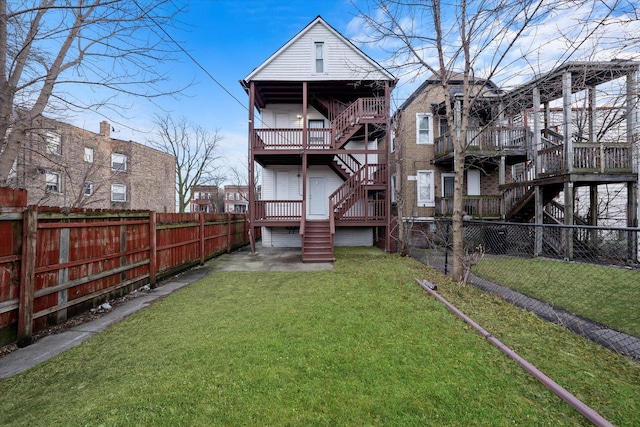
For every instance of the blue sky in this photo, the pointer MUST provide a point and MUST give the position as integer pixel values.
(229, 38)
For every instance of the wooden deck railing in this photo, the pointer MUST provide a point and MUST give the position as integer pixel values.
(362, 110)
(487, 139)
(291, 139)
(602, 157)
(281, 210)
(476, 206)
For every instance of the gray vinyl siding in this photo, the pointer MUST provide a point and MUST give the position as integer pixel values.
(342, 60)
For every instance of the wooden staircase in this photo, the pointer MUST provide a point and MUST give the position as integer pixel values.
(317, 242)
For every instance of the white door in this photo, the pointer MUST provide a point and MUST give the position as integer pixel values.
(473, 182)
(318, 200)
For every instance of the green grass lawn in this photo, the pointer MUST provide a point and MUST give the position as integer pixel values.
(359, 345)
(607, 295)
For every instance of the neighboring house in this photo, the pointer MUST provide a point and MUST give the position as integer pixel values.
(523, 163)
(421, 182)
(205, 198)
(63, 165)
(321, 139)
(236, 198)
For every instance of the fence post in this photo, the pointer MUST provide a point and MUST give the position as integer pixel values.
(63, 273)
(153, 249)
(228, 232)
(27, 276)
(201, 215)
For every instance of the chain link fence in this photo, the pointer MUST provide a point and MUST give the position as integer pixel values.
(585, 278)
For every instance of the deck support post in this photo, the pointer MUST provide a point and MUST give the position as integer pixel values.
(569, 209)
(566, 122)
(593, 215)
(539, 219)
(537, 132)
(252, 182)
(632, 221)
(632, 187)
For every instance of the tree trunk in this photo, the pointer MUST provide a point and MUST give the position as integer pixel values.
(458, 231)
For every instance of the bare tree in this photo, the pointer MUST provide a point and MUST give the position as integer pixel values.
(49, 47)
(474, 40)
(196, 154)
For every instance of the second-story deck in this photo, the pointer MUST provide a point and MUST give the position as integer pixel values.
(361, 111)
(490, 141)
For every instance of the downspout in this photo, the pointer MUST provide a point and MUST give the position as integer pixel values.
(590, 414)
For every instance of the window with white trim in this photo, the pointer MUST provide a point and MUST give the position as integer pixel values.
(118, 162)
(53, 182)
(393, 188)
(53, 143)
(425, 188)
(88, 154)
(448, 181)
(118, 193)
(424, 128)
(318, 55)
(88, 188)
(393, 140)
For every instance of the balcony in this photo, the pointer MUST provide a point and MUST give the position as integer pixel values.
(587, 158)
(291, 139)
(488, 207)
(488, 139)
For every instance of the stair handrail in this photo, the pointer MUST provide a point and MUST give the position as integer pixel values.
(345, 119)
(351, 163)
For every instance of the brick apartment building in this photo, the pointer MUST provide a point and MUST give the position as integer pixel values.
(63, 165)
(206, 198)
(236, 198)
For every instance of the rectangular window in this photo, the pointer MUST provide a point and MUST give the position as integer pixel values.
(88, 154)
(88, 188)
(118, 162)
(393, 188)
(393, 140)
(118, 193)
(425, 189)
(448, 180)
(53, 143)
(53, 182)
(424, 128)
(319, 57)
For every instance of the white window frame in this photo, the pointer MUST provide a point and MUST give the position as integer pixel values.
(88, 154)
(119, 156)
(442, 178)
(88, 185)
(319, 60)
(52, 182)
(429, 201)
(429, 139)
(53, 143)
(117, 189)
(393, 140)
(393, 188)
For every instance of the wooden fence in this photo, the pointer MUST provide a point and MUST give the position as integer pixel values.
(57, 263)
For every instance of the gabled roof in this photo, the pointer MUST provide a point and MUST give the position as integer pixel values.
(455, 79)
(319, 21)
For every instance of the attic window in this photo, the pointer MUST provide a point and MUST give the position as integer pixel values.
(318, 51)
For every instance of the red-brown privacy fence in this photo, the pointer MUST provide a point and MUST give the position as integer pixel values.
(57, 263)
